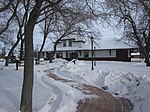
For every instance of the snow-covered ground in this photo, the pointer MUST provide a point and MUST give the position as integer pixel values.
(127, 79)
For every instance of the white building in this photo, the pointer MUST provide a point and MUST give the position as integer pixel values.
(103, 49)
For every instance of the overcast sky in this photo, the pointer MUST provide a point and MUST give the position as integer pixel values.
(110, 33)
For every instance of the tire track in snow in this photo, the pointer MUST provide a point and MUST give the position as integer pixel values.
(58, 93)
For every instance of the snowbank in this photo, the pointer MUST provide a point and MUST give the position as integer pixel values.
(125, 84)
(126, 79)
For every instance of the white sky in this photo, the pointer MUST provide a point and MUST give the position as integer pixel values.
(110, 33)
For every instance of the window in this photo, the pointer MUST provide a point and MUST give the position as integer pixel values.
(59, 55)
(86, 54)
(80, 53)
(70, 43)
(74, 55)
(109, 52)
(64, 43)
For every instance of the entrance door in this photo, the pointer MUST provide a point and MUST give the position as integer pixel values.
(122, 55)
(73, 55)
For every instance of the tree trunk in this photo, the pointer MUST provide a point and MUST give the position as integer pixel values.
(21, 49)
(147, 61)
(148, 44)
(146, 56)
(10, 52)
(55, 47)
(7, 61)
(39, 54)
(26, 96)
(54, 52)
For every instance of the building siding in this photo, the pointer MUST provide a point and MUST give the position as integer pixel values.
(105, 53)
(77, 49)
(122, 55)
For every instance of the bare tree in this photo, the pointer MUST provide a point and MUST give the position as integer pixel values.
(5, 5)
(134, 16)
(67, 21)
(7, 27)
(20, 19)
(46, 28)
(26, 97)
(6, 18)
(32, 11)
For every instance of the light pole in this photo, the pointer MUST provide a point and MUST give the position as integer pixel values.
(92, 39)
(94, 56)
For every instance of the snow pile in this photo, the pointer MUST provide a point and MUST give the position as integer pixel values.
(59, 60)
(70, 67)
(66, 97)
(134, 87)
(78, 73)
(124, 84)
(63, 98)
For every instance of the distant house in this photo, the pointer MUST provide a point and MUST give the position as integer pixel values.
(110, 49)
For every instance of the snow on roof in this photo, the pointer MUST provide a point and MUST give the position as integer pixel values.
(75, 37)
(135, 53)
(112, 43)
(99, 44)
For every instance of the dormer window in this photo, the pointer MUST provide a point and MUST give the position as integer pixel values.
(64, 43)
(70, 43)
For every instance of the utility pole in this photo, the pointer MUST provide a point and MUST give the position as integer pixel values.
(94, 56)
(92, 39)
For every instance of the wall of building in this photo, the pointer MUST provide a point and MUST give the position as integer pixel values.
(97, 53)
(77, 44)
(60, 45)
(122, 55)
(74, 44)
(105, 53)
(109, 55)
